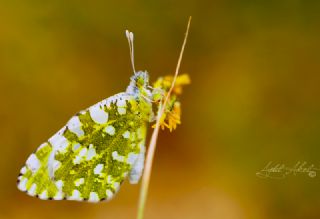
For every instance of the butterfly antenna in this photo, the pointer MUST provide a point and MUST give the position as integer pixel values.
(129, 36)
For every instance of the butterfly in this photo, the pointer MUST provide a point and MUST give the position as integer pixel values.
(89, 158)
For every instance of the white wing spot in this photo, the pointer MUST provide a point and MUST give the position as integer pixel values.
(75, 195)
(121, 103)
(117, 157)
(126, 134)
(93, 197)
(79, 157)
(98, 115)
(59, 196)
(142, 146)
(44, 195)
(23, 184)
(91, 152)
(83, 152)
(132, 158)
(97, 170)
(110, 130)
(137, 169)
(120, 96)
(33, 163)
(79, 181)
(76, 146)
(109, 194)
(109, 179)
(74, 126)
(59, 142)
(116, 186)
(23, 170)
(122, 110)
(32, 190)
(77, 160)
(56, 165)
(59, 184)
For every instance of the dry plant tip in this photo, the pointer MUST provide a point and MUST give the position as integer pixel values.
(154, 137)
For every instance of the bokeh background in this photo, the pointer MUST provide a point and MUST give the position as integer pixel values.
(254, 98)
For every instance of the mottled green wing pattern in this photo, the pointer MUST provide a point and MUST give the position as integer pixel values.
(89, 158)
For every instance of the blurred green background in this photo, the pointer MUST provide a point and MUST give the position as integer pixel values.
(254, 98)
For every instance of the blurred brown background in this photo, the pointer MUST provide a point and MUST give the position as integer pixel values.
(254, 98)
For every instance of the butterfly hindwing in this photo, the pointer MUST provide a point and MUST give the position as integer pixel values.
(89, 158)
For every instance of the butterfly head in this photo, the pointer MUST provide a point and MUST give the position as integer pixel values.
(139, 84)
(141, 79)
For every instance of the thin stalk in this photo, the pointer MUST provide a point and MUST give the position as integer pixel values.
(153, 142)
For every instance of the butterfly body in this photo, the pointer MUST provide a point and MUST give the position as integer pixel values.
(95, 151)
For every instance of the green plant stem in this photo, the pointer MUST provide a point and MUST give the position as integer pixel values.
(153, 142)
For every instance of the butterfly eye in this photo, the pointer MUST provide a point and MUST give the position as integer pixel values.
(140, 81)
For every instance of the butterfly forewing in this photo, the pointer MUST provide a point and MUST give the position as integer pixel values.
(89, 157)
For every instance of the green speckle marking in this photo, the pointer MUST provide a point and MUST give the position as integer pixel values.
(89, 158)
